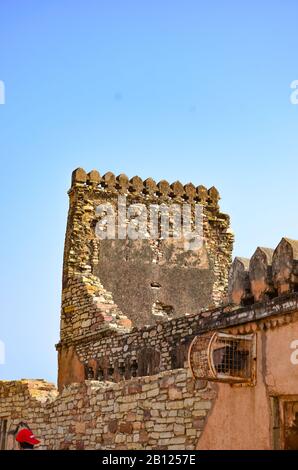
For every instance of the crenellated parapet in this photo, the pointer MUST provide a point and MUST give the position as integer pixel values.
(285, 266)
(110, 184)
(239, 285)
(268, 274)
(260, 274)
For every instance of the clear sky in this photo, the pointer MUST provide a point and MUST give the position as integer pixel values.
(191, 90)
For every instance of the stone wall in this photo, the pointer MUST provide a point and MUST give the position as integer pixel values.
(147, 351)
(268, 274)
(165, 411)
(171, 410)
(111, 286)
(88, 308)
(148, 279)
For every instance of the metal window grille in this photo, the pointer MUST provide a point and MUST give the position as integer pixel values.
(223, 357)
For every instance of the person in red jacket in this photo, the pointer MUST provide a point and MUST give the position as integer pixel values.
(26, 439)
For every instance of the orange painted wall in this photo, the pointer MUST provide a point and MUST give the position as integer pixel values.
(241, 416)
(70, 369)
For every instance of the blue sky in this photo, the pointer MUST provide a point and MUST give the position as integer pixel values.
(196, 91)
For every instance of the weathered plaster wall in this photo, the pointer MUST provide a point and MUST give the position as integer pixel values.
(71, 369)
(242, 417)
(149, 287)
(281, 374)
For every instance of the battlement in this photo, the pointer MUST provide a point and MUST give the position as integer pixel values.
(111, 184)
(268, 274)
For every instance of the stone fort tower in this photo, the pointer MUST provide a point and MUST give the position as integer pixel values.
(114, 285)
